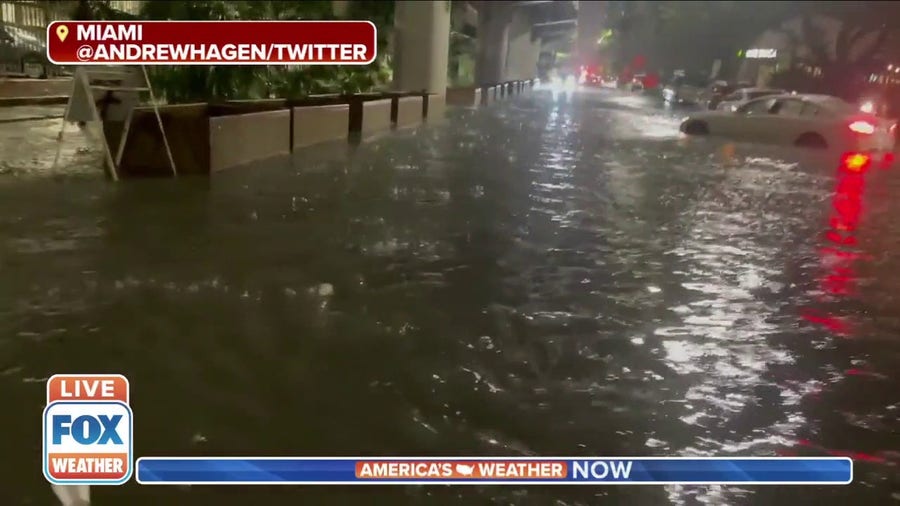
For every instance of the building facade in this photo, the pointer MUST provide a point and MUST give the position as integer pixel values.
(23, 32)
(25, 23)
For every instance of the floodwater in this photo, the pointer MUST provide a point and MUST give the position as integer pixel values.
(547, 276)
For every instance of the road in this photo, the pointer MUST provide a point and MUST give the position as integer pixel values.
(551, 275)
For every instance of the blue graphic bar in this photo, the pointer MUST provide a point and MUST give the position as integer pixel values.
(492, 471)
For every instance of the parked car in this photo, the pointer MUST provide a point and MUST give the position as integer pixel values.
(716, 92)
(636, 83)
(812, 121)
(642, 82)
(741, 96)
(590, 76)
(684, 90)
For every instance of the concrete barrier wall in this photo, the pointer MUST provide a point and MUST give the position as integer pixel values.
(409, 111)
(467, 97)
(187, 129)
(436, 107)
(315, 124)
(206, 138)
(376, 116)
(488, 94)
(240, 139)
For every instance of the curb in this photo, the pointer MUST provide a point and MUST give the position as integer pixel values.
(46, 100)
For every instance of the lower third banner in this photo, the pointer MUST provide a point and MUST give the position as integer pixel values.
(492, 471)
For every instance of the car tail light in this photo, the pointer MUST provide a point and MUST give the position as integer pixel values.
(862, 127)
(856, 162)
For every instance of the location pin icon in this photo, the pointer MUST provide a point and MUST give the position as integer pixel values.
(61, 32)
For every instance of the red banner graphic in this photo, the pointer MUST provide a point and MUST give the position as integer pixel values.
(211, 42)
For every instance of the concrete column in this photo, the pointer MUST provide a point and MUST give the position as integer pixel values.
(421, 45)
(523, 53)
(592, 20)
(493, 41)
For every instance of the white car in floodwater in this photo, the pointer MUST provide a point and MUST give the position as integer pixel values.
(810, 121)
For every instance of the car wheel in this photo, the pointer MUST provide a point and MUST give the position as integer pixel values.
(811, 140)
(694, 127)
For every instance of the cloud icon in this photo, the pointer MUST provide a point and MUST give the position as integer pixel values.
(464, 469)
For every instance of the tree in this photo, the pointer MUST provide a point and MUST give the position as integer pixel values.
(846, 39)
(691, 35)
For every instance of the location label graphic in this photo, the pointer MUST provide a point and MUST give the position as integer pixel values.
(62, 31)
(88, 429)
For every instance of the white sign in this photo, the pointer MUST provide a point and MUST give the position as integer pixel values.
(114, 92)
(762, 53)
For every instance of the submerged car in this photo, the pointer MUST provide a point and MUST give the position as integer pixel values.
(684, 90)
(810, 121)
(715, 93)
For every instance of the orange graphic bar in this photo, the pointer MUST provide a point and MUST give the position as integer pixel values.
(87, 387)
(87, 466)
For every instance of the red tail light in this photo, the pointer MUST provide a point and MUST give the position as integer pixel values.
(862, 127)
(856, 162)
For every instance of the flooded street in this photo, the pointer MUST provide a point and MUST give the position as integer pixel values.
(547, 276)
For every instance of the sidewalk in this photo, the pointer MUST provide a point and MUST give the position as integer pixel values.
(29, 147)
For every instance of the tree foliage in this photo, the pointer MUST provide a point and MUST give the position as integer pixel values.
(691, 35)
(864, 30)
(180, 84)
(845, 40)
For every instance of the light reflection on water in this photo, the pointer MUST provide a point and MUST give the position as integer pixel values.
(542, 277)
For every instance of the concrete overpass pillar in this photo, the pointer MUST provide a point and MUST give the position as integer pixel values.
(494, 19)
(523, 52)
(421, 45)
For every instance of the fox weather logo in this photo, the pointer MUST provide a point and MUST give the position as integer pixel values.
(87, 430)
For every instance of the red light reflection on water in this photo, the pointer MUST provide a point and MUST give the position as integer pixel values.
(833, 323)
(809, 445)
(839, 278)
